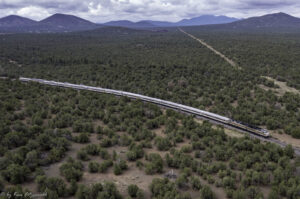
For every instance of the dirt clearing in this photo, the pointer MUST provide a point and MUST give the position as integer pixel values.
(283, 87)
(287, 139)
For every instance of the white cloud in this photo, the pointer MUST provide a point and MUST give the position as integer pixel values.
(33, 12)
(170, 10)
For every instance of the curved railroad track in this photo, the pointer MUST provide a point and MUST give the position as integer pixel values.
(164, 103)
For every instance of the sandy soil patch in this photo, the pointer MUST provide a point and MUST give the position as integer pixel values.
(15, 63)
(235, 104)
(160, 131)
(131, 176)
(283, 87)
(265, 190)
(286, 139)
(97, 123)
(31, 186)
(233, 133)
(53, 169)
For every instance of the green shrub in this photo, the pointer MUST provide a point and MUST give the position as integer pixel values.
(72, 170)
(16, 174)
(54, 184)
(105, 165)
(206, 193)
(82, 138)
(132, 190)
(155, 165)
(82, 155)
(93, 167)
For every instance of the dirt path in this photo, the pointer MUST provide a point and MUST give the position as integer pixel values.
(232, 63)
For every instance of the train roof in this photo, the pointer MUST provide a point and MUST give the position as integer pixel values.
(136, 95)
(249, 125)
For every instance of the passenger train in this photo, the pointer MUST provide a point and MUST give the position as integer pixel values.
(188, 109)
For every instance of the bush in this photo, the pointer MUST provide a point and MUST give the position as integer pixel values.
(16, 174)
(92, 149)
(32, 160)
(179, 160)
(94, 167)
(133, 190)
(196, 184)
(99, 191)
(56, 154)
(238, 194)
(13, 139)
(163, 188)
(206, 193)
(83, 192)
(272, 124)
(135, 152)
(182, 181)
(105, 165)
(152, 124)
(106, 142)
(82, 138)
(273, 194)
(210, 179)
(296, 132)
(228, 182)
(125, 140)
(56, 185)
(72, 170)
(119, 167)
(51, 194)
(289, 151)
(123, 165)
(187, 149)
(163, 144)
(155, 165)
(131, 155)
(253, 192)
(82, 155)
(184, 195)
(104, 154)
(109, 191)
(140, 194)
(73, 188)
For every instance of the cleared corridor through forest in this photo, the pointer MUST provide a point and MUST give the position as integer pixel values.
(232, 63)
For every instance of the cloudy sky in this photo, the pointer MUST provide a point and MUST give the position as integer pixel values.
(135, 10)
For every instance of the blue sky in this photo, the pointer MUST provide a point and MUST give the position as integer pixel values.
(135, 10)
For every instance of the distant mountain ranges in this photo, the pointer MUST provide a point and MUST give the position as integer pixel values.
(198, 21)
(54, 23)
(70, 23)
(277, 20)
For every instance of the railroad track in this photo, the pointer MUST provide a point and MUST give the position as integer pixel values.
(212, 117)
